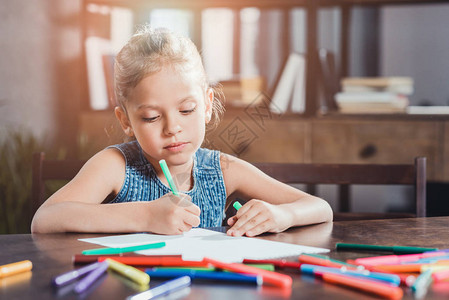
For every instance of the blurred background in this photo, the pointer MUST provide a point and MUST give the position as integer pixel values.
(56, 85)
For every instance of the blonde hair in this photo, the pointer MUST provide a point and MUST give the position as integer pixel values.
(147, 52)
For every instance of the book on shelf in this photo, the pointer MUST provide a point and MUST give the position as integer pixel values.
(328, 79)
(289, 92)
(401, 85)
(108, 67)
(241, 91)
(374, 94)
(428, 110)
(371, 102)
(232, 90)
(98, 51)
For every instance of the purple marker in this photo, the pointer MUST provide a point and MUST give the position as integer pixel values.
(70, 276)
(87, 281)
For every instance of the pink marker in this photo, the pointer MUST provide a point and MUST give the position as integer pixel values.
(440, 275)
(395, 259)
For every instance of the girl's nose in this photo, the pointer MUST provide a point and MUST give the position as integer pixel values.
(172, 126)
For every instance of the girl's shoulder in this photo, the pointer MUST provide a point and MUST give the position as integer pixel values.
(232, 163)
(238, 173)
(106, 166)
(107, 159)
(130, 152)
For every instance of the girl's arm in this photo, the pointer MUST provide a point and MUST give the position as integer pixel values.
(274, 206)
(77, 207)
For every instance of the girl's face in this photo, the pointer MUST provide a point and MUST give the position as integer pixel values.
(167, 112)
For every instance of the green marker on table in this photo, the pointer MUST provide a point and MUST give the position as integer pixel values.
(167, 174)
(237, 205)
(394, 249)
(101, 251)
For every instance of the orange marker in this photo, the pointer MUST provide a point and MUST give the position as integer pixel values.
(407, 279)
(371, 286)
(408, 268)
(15, 268)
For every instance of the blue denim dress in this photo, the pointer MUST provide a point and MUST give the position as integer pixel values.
(142, 184)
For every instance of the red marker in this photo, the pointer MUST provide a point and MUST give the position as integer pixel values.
(88, 259)
(273, 278)
(156, 261)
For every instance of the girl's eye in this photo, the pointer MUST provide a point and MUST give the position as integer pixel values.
(152, 119)
(188, 111)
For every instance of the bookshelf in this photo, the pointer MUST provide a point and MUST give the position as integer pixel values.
(311, 136)
(142, 8)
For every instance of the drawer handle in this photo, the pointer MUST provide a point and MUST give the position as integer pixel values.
(368, 151)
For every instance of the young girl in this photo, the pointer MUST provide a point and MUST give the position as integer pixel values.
(165, 103)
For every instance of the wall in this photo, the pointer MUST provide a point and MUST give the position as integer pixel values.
(39, 67)
(415, 42)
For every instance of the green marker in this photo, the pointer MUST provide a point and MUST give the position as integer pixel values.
(237, 205)
(394, 249)
(268, 267)
(102, 251)
(167, 174)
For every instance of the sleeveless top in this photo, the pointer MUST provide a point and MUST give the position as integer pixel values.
(142, 184)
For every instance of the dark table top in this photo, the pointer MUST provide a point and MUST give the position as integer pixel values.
(51, 255)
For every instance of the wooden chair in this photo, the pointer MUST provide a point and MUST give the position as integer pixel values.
(309, 174)
(44, 170)
(363, 174)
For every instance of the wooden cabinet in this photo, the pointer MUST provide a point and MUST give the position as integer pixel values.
(378, 142)
(292, 138)
(338, 140)
(276, 140)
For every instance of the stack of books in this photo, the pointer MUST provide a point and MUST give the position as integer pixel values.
(374, 94)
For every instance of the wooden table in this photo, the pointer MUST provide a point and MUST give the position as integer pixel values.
(51, 255)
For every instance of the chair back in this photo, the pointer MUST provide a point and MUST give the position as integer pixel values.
(290, 173)
(347, 174)
(43, 170)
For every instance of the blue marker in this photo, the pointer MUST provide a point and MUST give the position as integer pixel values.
(163, 289)
(208, 275)
(422, 283)
(388, 278)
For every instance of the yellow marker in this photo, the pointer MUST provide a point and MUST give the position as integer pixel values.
(434, 267)
(132, 273)
(15, 268)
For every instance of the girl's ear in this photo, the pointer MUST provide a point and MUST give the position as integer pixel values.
(209, 104)
(124, 121)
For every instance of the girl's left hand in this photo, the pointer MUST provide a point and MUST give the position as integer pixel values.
(256, 217)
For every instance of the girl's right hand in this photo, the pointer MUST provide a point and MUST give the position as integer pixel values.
(172, 214)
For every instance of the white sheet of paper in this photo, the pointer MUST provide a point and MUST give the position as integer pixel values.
(199, 243)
